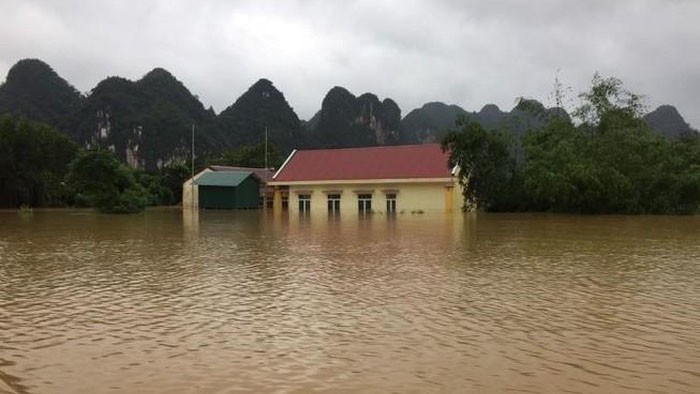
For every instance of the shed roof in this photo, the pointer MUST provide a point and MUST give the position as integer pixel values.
(379, 162)
(224, 178)
(264, 174)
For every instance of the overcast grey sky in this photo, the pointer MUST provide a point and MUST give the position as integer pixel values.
(466, 52)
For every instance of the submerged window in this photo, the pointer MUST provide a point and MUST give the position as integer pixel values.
(304, 203)
(334, 204)
(391, 203)
(364, 203)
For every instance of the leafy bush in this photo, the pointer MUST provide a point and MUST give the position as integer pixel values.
(611, 162)
(106, 184)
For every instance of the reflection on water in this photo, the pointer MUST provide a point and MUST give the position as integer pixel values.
(218, 302)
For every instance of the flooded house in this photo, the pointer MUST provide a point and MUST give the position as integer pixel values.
(383, 180)
(227, 187)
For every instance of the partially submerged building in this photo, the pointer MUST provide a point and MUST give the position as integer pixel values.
(224, 187)
(351, 181)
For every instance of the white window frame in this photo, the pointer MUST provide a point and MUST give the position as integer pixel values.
(364, 203)
(334, 204)
(304, 203)
(391, 203)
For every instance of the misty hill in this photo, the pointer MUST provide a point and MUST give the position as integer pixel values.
(433, 120)
(262, 106)
(667, 121)
(34, 90)
(348, 121)
(147, 123)
(426, 123)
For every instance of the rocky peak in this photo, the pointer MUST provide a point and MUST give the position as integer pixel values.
(261, 107)
(346, 120)
(158, 73)
(33, 89)
(490, 109)
(29, 71)
(667, 121)
(429, 123)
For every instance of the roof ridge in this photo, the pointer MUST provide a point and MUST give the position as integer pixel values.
(240, 168)
(377, 147)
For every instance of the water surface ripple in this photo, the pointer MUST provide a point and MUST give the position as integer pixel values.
(224, 302)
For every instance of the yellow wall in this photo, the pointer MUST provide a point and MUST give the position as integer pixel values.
(189, 192)
(457, 196)
(411, 196)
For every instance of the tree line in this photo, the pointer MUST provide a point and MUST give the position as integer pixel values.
(606, 160)
(40, 167)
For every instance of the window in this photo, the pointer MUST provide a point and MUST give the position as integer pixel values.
(390, 203)
(364, 203)
(334, 204)
(304, 204)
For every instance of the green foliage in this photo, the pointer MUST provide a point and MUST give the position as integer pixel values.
(153, 116)
(555, 168)
(36, 161)
(106, 184)
(33, 162)
(156, 192)
(485, 162)
(607, 95)
(171, 177)
(148, 122)
(612, 162)
(248, 156)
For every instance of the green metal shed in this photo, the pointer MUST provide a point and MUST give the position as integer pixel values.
(228, 190)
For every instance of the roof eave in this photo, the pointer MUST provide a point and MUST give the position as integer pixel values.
(361, 181)
(284, 164)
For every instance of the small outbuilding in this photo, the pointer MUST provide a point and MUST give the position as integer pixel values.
(224, 190)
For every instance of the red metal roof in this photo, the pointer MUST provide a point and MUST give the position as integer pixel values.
(379, 162)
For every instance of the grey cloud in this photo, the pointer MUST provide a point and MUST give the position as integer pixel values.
(464, 52)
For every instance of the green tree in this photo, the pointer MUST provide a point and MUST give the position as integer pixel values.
(106, 184)
(556, 172)
(485, 161)
(172, 177)
(248, 156)
(157, 193)
(608, 96)
(611, 162)
(33, 162)
(684, 167)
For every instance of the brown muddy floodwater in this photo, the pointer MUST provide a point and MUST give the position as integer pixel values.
(230, 302)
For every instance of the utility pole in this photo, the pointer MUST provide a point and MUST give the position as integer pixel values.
(265, 189)
(265, 95)
(192, 166)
